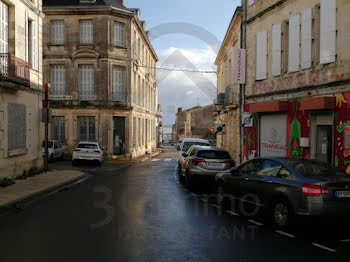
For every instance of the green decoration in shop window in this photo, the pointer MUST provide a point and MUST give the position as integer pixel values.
(336, 161)
(295, 133)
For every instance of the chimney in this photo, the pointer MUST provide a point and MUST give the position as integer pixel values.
(179, 110)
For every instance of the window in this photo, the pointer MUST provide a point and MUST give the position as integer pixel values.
(328, 31)
(270, 168)
(16, 117)
(58, 129)
(86, 82)
(134, 133)
(57, 32)
(86, 128)
(251, 167)
(250, 2)
(3, 28)
(58, 80)
(86, 31)
(285, 40)
(306, 38)
(135, 89)
(119, 92)
(276, 50)
(139, 90)
(139, 131)
(32, 45)
(285, 173)
(119, 34)
(261, 55)
(211, 154)
(143, 131)
(294, 44)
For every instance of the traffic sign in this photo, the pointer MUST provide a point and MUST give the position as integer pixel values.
(212, 129)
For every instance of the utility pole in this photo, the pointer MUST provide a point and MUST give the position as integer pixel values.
(46, 115)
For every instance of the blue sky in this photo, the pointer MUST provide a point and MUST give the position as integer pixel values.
(206, 18)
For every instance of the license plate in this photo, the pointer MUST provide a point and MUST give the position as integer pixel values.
(216, 165)
(342, 194)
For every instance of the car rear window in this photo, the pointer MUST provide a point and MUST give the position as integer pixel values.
(315, 168)
(50, 143)
(212, 154)
(87, 146)
(187, 145)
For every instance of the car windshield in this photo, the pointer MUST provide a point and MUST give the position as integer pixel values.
(211, 154)
(50, 144)
(87, 146)
(314, 168)
(187, 145)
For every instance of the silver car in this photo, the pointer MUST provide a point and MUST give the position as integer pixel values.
(202, 163)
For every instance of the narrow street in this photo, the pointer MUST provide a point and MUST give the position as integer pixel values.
(141, 212)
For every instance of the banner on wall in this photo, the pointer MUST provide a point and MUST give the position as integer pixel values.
(239, 66)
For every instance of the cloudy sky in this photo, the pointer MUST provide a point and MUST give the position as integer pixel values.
(186, 35)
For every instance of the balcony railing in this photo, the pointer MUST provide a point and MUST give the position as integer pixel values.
(14, 68)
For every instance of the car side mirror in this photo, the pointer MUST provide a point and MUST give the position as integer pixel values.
(178, 148)
(233, 171)
(184, 154)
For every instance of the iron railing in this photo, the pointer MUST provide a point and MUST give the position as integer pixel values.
(12, 67)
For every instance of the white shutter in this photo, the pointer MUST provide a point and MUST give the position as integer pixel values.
(306, 38)
(3, 28)
(119, 34)
(119, 93)
(261, 55)
(294, 44)
(58, 80)
(34, 46)
(86, 31)
(57, 32)
(276, 50)
(328, 31)
(86, 83)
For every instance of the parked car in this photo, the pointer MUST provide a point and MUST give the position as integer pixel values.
(288, 187)
(185, 145)
(202, 163)
(88, 151)
(55, 150)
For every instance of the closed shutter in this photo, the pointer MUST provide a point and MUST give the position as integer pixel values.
(261, 55)
(86, 83)
(58, 80)
(86, 31)
(328, 31)
(34, 46)
(119, 93)
(86, 128)
(58, 129)
(134, 133)
(3, 28)
(57, 32)
(306, 38)
(276, 50)
(143, 131)
(119, 34)
(294, 44)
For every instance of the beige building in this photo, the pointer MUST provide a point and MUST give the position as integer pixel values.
(228, 91)
(101, 68)
(20, 87)
(298, 85)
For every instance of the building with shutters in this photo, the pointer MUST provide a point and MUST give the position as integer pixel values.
(101, 68)
(298, 81)
(21, 87)
(229, 91)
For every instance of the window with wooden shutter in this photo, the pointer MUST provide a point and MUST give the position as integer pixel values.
(16, 126)
(306, 38)
(134, 134)
(86, 82)
(3, 28)
(119, 92)
(261, 55)
(58, 80)
(57, 32)
(276, 50)
(86, 31)
(294, 44)
(119, 34)
(86, 128)
(328, 31)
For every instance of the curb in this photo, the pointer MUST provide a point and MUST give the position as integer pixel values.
(22, 202)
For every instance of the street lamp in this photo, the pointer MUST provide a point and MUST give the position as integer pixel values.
(218, 108)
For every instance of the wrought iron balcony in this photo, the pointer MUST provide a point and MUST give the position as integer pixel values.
(14, 69)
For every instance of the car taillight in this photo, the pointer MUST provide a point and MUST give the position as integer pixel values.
(314, 190)
(77, 150)
(231, 162)
(195, 161)
(97, 151)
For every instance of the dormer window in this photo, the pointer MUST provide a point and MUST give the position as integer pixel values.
(87, 1)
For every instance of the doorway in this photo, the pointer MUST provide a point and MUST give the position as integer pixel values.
(118, 135)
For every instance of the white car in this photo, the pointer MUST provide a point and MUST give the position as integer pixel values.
(55, 150)
(88, 151)
(183, 148)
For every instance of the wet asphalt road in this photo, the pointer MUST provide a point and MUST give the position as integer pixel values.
(141, 212)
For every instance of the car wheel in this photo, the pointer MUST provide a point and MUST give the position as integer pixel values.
(179, 169)
(99, 163)
(282, 213)
(74, 163)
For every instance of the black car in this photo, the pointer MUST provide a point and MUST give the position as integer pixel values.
(287, 187)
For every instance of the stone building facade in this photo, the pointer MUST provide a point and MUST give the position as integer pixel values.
(101, 68)
(298, 81)
(21, 130)
(228, 91)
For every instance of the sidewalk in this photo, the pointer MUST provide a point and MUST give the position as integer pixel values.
(35, 187)
(135, 160)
